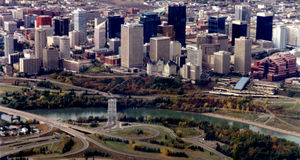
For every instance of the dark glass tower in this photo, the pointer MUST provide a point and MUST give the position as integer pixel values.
(216, 25)
(61, 26)
(177, 18)
(239, 29)
(150, 21)
(264, 26)
(113, 26)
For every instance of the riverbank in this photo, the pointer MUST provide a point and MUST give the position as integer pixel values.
(252, 123)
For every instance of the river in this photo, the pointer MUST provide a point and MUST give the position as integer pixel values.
(73, 113)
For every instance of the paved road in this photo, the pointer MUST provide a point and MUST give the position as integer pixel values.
(19, 149)
(25, 141)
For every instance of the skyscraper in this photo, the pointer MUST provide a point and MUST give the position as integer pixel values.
(29, 20)
(150, 21)
(264, 26)
(239, 29)
(99, 36)
(8, 45)
(50, 59)
(113, 28)
(64, 47)
(222, 62)
(177, 18)
(159, 48)
(76, 38)
(132, 41)
(39, 42)
(243, 12)
(280, 37)
(43, 21)
(80, 21)
(242, 55)
(61, 26)
(216, 24)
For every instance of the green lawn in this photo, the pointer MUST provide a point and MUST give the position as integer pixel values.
(133, 132)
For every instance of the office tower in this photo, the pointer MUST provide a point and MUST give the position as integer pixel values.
(43, 21)
(222, 62)
(216, 25)
(159, 48)
(293, 36)
(76, 38)
(39, 42)
(279, 37)
(243, 13)
(114, 45)
(150, 22)
(242, 55)
(29, 21)
(221, 39)
(166, 30)
(113, 26)
(14, 58)
(264, 26)
(10, 26)
(5, 17)
(80, 21)
(239, 29)
(132, 41)
(64, 47)
(61, 26)
(194, 55)
(177, 18)
(30, 66)
(99, 36)
(175, 49)
(8, 45)
(50, 59)
(18, 13)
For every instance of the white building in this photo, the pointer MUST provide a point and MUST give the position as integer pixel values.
(99, 35)
(80, 21)
(132, 42)
(293, 36)
(10, 26)
(194, 55)
(279, 37)
(8, 45)
(76, 38)
(175, 49)
(159, 48)
(64, 47)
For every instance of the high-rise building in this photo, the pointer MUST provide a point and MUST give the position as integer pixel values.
(239, 29)
(279, 37)
(243, 12)
(5, 17)
(61, 26)
(10, 26)
(14, 58)
(64, 47)
(216, 24)
(43, 21)
(112, 112)
(39, 42)
(113, 26)
(8, 45)
(293, 36)
(30, 66)
(194, 55)
(222, 62)
(150, 22)
(177, 18)
(80, 21)
(175, 49)
(29, 20)
(242, 55)
(166, 30)
(114, 45)
(132, 41)
(264, 26)
(99, 36)
(76, 38)
(50, 59)
(159, 48)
